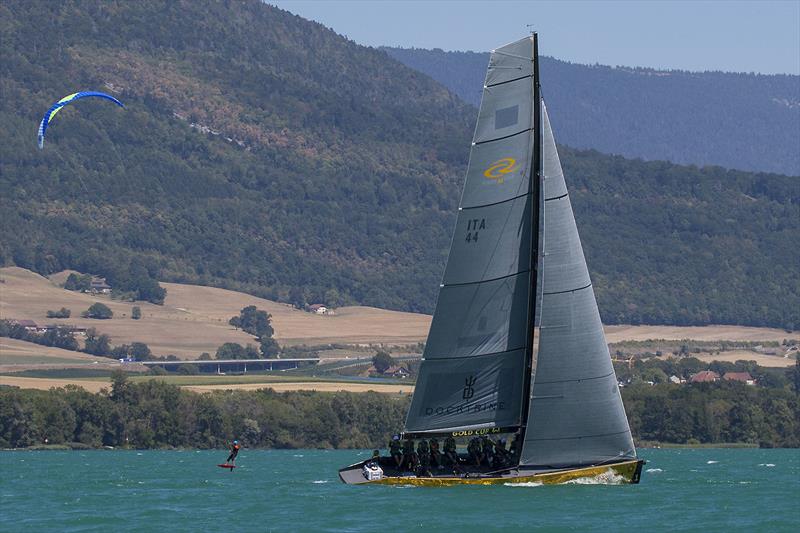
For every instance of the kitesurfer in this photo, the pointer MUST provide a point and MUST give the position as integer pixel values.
(234, 452)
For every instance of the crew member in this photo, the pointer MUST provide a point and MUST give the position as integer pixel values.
(424, 456)
(409, 455)
(436, 455)
(394, 451)
(488, 452)
(501, 455)
(450, 452)
(475, 451)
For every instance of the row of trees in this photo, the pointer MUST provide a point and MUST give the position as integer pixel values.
(132, 281)
(96, 310)
(95, 343)
(154, 414)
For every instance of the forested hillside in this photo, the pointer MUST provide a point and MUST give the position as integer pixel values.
(735, 120)
(262, 152)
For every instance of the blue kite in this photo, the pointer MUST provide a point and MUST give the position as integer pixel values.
(55, 108)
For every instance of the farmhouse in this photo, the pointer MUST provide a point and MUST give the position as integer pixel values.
(743, 377)
(319, 309)
(704, 376)
(99, 286)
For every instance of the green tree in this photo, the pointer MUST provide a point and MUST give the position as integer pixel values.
(231, 350)
(297, 297)
(188, 369)
(254, 321)
(61, 313)
(140, 351)
(78, 282)
(98, 310)
(382, 361)
(97, 344)
(136, 312)
(269, 348)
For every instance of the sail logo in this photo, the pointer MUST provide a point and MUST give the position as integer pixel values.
(469, 392)
(498, 170)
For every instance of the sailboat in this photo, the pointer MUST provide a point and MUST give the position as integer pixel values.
(516, 347)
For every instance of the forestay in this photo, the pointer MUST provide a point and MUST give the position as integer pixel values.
(576, 415)
(474, 365)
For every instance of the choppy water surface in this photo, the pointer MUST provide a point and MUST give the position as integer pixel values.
(698, 489)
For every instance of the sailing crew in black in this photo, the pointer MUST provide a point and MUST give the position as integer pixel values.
(515, 445)
(450, 452)
(424, 455)
(436, 455)
(475, 451)
(488, 451)
(394, 451)
(501, 455)
(409, 454)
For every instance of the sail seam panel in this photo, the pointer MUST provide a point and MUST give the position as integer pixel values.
(508, 81)
(572, 380)
(497, 203)
(484, 280)
(583, 436)
(566, 291)
(453, 358)
(507, 54)
(557, 197)
(526, 130)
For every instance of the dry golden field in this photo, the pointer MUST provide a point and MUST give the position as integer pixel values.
(737, 355)
(696, 333)
(95, 385)
(194, 319)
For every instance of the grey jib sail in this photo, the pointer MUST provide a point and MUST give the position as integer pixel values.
(576, 415)
(474, 366)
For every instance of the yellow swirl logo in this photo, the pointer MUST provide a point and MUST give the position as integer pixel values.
(500, 168)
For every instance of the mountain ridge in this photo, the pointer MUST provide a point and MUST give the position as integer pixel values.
(680, 116)
(264, 153)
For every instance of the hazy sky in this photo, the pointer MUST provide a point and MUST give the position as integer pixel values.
(743, 36)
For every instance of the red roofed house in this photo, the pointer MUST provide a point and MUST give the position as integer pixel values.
(704, 376)
(744, 377)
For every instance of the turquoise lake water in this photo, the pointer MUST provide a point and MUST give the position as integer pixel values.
(298, 490)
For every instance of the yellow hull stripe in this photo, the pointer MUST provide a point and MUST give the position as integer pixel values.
(626, 470)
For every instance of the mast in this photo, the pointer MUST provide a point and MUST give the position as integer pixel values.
(536, 212)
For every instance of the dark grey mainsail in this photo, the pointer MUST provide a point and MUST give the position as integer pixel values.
(474, 369)
(576, 415)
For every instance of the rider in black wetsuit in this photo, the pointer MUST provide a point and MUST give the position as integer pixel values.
(234, 452)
